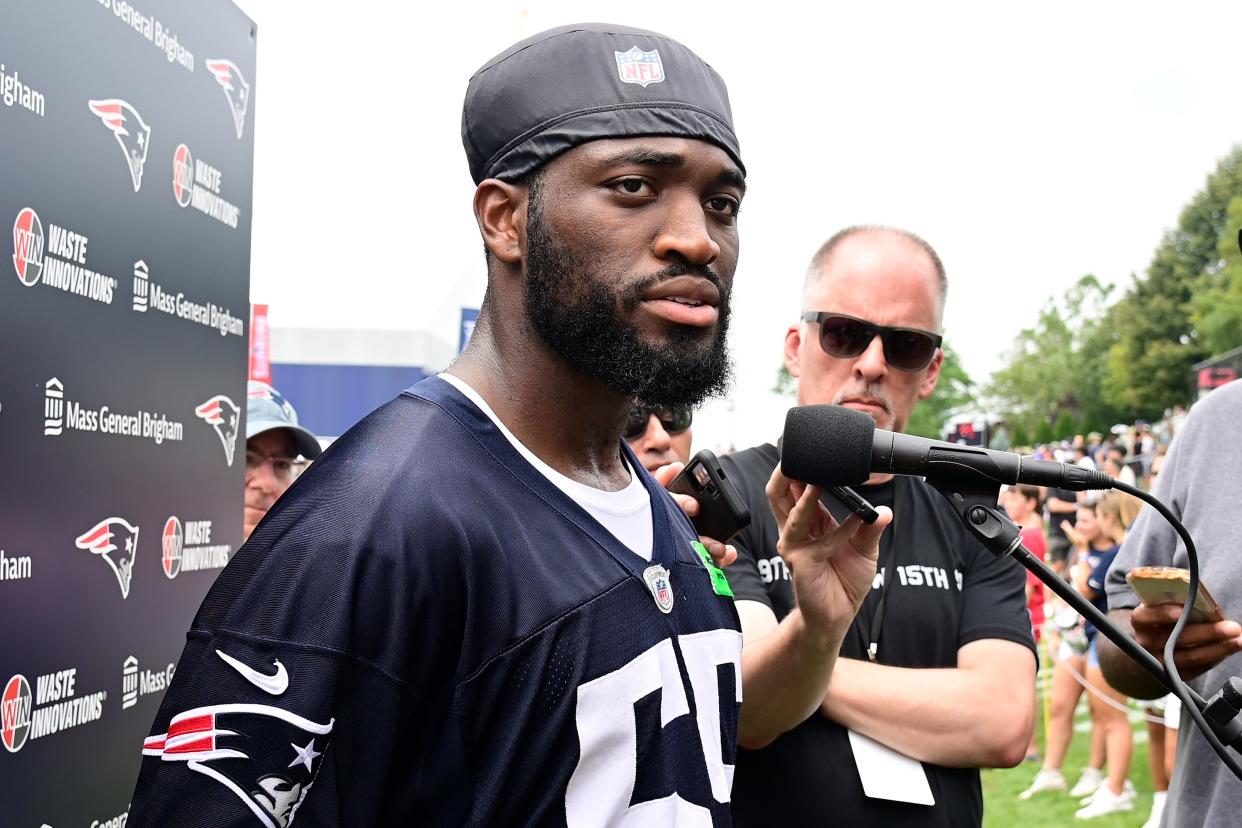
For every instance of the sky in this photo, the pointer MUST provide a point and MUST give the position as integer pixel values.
(1030, 144)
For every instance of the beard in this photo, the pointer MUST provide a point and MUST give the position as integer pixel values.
(572, 308)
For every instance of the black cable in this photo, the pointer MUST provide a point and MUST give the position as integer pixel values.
(1178, 686)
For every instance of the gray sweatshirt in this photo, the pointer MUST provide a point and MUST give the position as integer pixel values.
(1202, 484)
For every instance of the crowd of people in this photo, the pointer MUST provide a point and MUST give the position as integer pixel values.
(482, 607)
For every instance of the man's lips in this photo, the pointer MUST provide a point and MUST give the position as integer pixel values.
(686, 300)
(865, 402)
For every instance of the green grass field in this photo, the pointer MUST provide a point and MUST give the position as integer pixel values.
(1002, 808)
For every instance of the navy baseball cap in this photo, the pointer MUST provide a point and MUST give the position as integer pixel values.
(574, 84)
(267, 409)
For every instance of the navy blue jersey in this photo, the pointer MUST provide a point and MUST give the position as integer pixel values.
(425, 631)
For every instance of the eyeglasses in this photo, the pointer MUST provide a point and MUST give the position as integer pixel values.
(675, 419)
(906, 349)
(283, 468)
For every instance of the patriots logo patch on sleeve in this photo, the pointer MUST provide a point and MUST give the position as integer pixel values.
(267, 756)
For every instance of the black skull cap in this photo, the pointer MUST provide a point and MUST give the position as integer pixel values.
(579, 83)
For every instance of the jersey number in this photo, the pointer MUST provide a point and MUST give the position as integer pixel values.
(602, 784)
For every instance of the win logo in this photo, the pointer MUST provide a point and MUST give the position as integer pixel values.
(53, 408)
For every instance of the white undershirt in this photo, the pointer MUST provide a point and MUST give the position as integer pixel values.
(625, 513)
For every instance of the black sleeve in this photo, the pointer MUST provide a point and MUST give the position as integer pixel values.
(993, 598)
(743, 575)
(295, 689)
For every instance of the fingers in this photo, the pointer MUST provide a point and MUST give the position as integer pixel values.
(780, 495)
(687, 503)
(1196, 660)
(722, 554)
(666, 474)
(1153, 634)
(802, 516)
(865, 538)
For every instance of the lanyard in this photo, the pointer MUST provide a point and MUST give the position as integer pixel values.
(877, 619)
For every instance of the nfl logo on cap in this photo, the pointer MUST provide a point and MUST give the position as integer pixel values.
(637, 66)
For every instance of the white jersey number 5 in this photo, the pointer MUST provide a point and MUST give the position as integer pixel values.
(602, 784)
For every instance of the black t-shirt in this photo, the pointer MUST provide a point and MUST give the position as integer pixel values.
(426, 631)
(944, 590)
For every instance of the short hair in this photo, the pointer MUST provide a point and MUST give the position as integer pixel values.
(819, 262)
(1030, 493)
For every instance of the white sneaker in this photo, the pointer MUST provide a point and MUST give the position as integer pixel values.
(1127, 791)
(1087, 784)
(1046, 780)
(1157, 809)
(1105, 802)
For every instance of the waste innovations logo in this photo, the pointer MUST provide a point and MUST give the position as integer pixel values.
(198, 183)
(137, 683)
(132, 134)
(189, 548)
(150, 294)
(53, 707)
(236, 90)
(61, 413)
(223, 415)
(183, 175)
(57, 259)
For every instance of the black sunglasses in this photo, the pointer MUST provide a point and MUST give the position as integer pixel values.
(906, 349)
(675, 419)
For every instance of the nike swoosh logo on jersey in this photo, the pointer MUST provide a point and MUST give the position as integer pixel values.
(274, 684)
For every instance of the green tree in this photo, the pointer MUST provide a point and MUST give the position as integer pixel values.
(1020, 438)
(1058, 365)
(954, 394)
(1148, 367)
(1063, 429)
(1217, 306)
(1043, 431)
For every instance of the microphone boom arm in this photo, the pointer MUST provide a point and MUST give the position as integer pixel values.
(973, 496)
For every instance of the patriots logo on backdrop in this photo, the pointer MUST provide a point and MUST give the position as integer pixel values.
(236, 90)
(132, 134)
(637, 66)
(221, 413)
(113, 535)
(267, 756)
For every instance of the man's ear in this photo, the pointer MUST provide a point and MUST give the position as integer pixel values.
(793, 350)
(500, 210)
(933, 375)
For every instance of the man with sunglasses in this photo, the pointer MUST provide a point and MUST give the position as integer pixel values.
(659, 434)
(937, 671)
(276, 450)
(477, 608)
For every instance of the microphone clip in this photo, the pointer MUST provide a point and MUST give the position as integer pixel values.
(974, 496)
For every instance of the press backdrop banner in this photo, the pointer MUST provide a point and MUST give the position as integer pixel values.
(126, 138)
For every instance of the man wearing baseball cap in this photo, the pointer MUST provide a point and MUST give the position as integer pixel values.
(275, 448)
(478, 608)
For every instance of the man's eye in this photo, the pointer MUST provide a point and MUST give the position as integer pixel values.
(724, 204)
(634, 187)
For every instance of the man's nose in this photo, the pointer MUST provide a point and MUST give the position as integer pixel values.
(685, 234)
(871, 365)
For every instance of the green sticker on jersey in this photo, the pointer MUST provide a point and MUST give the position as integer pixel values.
(720, 584)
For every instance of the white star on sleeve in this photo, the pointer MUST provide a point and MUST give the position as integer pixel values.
(306, 755)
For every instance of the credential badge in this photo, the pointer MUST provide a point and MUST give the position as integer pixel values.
(637, 66)
(661, 587)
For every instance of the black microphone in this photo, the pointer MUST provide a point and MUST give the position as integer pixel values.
(830, 445)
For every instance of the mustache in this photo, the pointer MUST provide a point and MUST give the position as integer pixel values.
(672, 271)
(870, 390)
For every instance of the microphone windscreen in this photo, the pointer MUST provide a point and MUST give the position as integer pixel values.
(828, 445)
